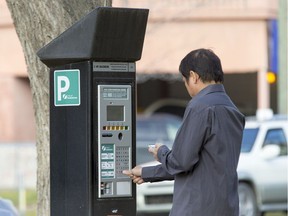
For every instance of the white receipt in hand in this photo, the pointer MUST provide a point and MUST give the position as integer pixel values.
(151, 146)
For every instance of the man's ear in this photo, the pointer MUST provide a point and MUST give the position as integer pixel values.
(194, 76)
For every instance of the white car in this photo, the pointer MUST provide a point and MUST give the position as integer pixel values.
(154, 197)
(262, 172)
(262, 168)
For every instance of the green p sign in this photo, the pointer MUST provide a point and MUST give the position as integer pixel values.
(67, 87)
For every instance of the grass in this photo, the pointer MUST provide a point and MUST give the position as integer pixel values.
(31, 200)
(276, 214)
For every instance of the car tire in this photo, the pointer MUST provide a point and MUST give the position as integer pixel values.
(247, 201)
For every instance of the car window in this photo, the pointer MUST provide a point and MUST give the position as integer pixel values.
(172, 130)
(276, 137)
(248, 140)
(151, 130)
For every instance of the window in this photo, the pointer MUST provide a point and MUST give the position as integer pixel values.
(276, 137)
(248, 140)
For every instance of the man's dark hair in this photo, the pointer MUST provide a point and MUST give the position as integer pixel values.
(205, 63)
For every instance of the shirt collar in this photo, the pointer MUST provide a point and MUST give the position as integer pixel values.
(210, 89)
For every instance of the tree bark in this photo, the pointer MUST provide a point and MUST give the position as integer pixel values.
(37, 22)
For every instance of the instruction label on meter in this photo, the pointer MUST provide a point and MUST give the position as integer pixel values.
(107, 161)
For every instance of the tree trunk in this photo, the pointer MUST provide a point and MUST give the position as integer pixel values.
(37, 22)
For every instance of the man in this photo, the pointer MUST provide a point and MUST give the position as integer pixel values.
(206, 149)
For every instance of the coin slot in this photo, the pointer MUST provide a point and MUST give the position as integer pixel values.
(120, 136)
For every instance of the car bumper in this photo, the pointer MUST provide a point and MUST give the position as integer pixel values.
(155, 197)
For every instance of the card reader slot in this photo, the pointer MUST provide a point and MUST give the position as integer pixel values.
(107, 134)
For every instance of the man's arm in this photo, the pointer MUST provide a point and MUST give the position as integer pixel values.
(188, 143)
(140, 174)
(155, 173)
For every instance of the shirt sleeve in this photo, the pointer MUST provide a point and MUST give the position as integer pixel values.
(155, 173)
(188, 143)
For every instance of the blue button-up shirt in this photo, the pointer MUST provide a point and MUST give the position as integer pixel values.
(204, 158)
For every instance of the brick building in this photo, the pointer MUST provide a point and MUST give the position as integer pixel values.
(239, 31)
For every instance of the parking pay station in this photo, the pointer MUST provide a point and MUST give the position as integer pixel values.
(92, 112)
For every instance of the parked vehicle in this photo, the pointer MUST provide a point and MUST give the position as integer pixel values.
(154, 128)
(156, 197)
(7, 208)
(262, 170)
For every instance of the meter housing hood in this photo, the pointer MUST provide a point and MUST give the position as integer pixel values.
(105, 34)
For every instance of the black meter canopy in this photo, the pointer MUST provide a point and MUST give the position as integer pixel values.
(105, 34)
(93, 112)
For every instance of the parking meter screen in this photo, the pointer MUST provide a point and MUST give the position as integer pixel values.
(115, 113)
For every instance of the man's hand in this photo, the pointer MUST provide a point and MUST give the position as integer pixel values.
(135, 174)
(154, 150)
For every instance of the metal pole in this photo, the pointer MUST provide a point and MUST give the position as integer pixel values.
(283, 58)
(263, 89)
